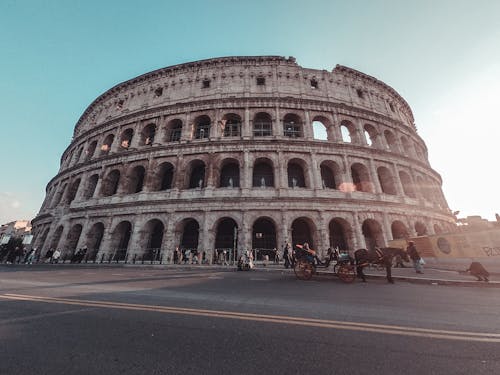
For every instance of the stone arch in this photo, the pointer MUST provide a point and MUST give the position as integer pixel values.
(41, 240)
(56, 237)
(126, 138)
(292, 126)
(330, 174)
(262, 125)
(226, 234)
(106, 144)
(135, 179)
(90, 150)
(164, 177)
(120, 239)
(407, 184)
(229, 173)
(72, 190)
(196, 174)
(371, 135)
(361, 178)
(264, 234)
(202, 125)
(420, 228)
(295, 173)
(391, 141)
(407, 150)
(110, 183)
(399, 230)
(59, 195)
(340, 234)
(78, 155)
(263, 173)
(347, 131)
(372, 231)
(91, 186)
(231, 125)
(189, 234)
(73, 237)
(386, 181)
(152, 239)
(174, 130)
(94, 239)
(303, 230)
(321, 126)
(148, 134)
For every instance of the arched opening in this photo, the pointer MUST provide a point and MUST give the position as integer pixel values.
(386, 181)
(148, 135)
(59, 195)
(391, 141)
(120, 240)
(230, 174)
(73, 238)
(370, 135)
(42, 239)
(202, 127)
(347, 131)
(91, 186)
(90, 150)
(406, 146)
(295, 175)
(292, 126)
(94, 240)
(262, 125)
(328, 171)
(153, 230)
(110, 183)
(263, 174)
(372, 231)
(338, 234)
(264, 238)
(420, 228)
(301, 232)
(126, 138)
(320, 130)
(56, 237)
(399, 230)
(190, 233)
(361, 178)
(106, 145)
(197, 175)
(174, 130)
(407, 184)
(73, 189)
(78, 155)
(136, 179)
(164, 177)
(231, 125)
(227, 234)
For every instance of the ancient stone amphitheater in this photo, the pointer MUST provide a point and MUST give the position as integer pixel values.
(241, 153)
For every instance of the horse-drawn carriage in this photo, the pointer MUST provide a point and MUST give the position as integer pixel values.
(346, 268)
(306, 264)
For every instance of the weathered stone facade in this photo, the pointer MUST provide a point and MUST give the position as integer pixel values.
(222, 152)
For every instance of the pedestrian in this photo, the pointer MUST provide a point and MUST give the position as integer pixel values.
(31, 256)
(414, 256)
(276, 256)
(287, 253)
(176, 255)
(56, 256)
(20, 255)
(48, 256)
(477, 269)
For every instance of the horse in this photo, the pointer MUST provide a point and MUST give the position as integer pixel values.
(382, 256)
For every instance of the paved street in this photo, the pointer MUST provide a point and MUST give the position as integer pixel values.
(132, 320)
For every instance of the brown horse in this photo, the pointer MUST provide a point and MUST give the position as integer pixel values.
(382, 256)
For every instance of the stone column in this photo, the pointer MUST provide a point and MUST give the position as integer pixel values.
(359, 239)
(315, 173)
(374, 178)
(397, 181)
(277, 126)
(285, 232)
(387, 232)
(307, 127)
(246, 182)
(334, 133)
(281, 179)
(187, 129)
(169, 244)
(246, 129)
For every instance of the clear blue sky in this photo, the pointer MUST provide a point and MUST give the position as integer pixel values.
(443, 57)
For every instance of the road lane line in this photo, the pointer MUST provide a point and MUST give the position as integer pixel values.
(278, 319)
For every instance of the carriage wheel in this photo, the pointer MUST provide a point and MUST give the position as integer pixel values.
(347, 273)
(303, 270)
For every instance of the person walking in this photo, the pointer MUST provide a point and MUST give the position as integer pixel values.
(414, 256)
(56, 256)
(287, 252)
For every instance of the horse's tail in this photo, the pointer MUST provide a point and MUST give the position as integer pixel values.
(361, 256)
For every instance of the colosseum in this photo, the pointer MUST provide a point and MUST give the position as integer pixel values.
(241, 153)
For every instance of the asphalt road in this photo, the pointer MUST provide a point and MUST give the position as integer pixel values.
(107, 320)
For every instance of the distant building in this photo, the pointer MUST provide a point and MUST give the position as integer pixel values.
(18, 228)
